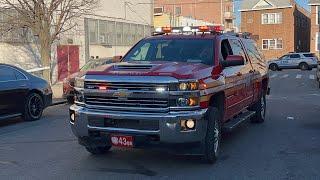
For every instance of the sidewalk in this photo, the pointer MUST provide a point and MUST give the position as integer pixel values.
(57, 94)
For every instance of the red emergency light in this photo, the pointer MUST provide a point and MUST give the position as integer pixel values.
(167, 29)
(103, 87)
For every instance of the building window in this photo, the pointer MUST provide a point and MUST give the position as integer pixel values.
(104, 32)
(178, 11)
(272, 44)
(271, 18)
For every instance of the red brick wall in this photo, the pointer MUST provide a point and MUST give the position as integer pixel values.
(288, 30)
(314, 30)
(209, 11)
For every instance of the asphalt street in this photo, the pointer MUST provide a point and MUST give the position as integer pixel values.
(286, 146)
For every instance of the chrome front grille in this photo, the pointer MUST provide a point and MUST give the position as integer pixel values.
(128, 102)
(127, 96)
(121, 85)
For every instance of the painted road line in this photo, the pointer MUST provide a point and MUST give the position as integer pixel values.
(285, 76)
(299, 76)
(274, 75)
(312, 77)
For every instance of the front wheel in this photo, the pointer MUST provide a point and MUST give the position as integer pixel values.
(259, 108)
(213, 136)
(33, 107)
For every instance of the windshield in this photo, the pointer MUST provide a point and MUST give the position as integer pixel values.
(92, 64)
(175, 50)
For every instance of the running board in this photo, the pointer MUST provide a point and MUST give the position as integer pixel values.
(235, 122)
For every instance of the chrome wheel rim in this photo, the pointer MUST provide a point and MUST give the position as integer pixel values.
(35, 106)
(216, 138)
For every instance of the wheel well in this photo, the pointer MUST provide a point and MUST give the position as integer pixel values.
(218, 101)
(265, 83)
(36, 91)
(273, 64)
(303, 63)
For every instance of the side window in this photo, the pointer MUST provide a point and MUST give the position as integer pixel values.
(253, 52)
(7, 74)
(141, 54)
(294, 56)
(225, 49)
(19, 75)
(237, 48)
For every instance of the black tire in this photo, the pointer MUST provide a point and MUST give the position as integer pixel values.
(304, 66)
(260, 108)
(273, 67)
(98, 150)
(33, 107)
(213, 136)
(319, 84)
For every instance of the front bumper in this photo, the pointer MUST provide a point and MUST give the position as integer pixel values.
(169, 124)
(48, 99)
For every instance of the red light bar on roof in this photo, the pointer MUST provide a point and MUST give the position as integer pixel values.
(203, 29)
(167, 29)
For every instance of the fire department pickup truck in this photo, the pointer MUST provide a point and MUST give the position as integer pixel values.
(177, 90)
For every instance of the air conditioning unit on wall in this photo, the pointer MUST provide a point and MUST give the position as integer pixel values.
(158, 11)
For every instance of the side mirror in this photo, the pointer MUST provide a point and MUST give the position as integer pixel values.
(233, 60)
(116, 58)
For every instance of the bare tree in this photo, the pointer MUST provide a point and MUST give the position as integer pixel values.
(47, 19)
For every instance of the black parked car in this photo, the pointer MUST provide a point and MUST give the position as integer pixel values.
(22, 94)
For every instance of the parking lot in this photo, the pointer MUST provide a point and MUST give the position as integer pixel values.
(285, 147)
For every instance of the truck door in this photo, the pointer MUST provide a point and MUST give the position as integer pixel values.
(247, 73)
(236, 79)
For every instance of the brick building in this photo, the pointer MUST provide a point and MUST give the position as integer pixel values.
(215, 12)
(315, 26)
(278, 26)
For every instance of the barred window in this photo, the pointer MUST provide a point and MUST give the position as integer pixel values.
(106, 32)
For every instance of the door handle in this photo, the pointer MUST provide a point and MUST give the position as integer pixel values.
(23, 85)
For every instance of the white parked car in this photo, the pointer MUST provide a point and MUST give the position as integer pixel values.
(303, 61)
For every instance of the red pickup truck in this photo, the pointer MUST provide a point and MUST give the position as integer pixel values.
(176, 91)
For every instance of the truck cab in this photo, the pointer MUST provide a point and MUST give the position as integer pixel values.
(176, 91)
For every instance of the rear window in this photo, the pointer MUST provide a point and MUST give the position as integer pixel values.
(174, 50)
(309, 55)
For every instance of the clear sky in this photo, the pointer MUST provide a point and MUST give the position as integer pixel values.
(303, 3)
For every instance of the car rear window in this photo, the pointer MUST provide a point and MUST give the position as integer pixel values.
(309, 55)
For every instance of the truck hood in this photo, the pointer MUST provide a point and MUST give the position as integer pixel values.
(179, 70)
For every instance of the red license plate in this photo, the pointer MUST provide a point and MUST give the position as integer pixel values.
(122, 141)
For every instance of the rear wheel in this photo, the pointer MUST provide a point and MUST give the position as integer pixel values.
(259, 108)
(274, 67)
(213, 135)
(98, 149)
(33, 107)
(304, 66)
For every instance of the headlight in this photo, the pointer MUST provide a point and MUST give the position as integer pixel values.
(185, 102)
(79, 82)
(188, 86)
